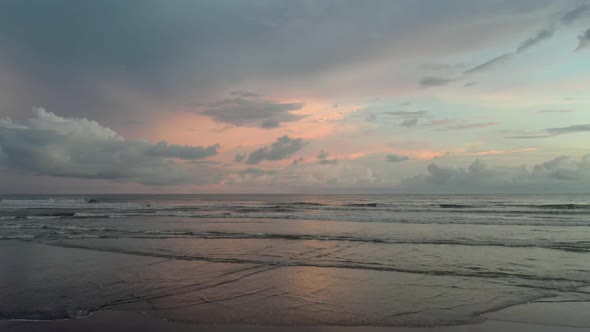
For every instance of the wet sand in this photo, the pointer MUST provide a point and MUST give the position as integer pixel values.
(130, 291)
(119, 321)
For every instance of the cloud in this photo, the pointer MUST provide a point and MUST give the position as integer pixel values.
(253, 171)
(432, 81)
(538, 38)
(409, 118)
(405, 114)
(159, 55)
(239, 157)
(395, 158)
(439, 175)
(251, 177)
(409, 123)
(322, 154)
(555, 111)
(297, 161)
(253, 112)
(530, 136)
(165, 150)
(328, 161)
(564, 168)
(245, 94)
(574, 14)
(324, 160)
(462, 126)
(551, 132)
(440, 122)
(48, 144)
(424, 118)
(282, 148)
(584, 40)
(370, 116)
(557, 168)
(568, 130)
(261, 59)
(492, 152)
(544, 34)
(490, 63)
(561, 174)
(439, 66)
(568, 18)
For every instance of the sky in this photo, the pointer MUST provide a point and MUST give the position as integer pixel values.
(297, 96)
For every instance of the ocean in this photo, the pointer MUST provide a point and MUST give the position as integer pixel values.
(306, 260)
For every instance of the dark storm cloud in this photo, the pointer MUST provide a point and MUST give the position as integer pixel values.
(142, 38)
(146, 35)
(48, 144)
(98, 58)
(253, 112)
(283, 147)
(396, 158)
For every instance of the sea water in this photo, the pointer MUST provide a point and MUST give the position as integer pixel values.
(411, 260)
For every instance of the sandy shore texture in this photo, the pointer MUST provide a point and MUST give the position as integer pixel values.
(536, 318)
(43, 286)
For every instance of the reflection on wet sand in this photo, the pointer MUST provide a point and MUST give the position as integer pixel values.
(244, 293)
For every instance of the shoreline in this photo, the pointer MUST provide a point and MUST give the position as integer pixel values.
(563, 314)
(118, 320)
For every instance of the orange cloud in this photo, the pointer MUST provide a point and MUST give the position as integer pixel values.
(192, 128)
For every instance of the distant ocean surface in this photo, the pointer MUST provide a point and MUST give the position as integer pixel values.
(412, 260)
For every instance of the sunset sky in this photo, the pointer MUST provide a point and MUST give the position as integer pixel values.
(343, 96)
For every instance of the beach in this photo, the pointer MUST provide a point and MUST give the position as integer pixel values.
(295, 165)
(139, 315)
(66, 266)
(117, 321)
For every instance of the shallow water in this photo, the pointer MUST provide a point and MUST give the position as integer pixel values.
(409, 260)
